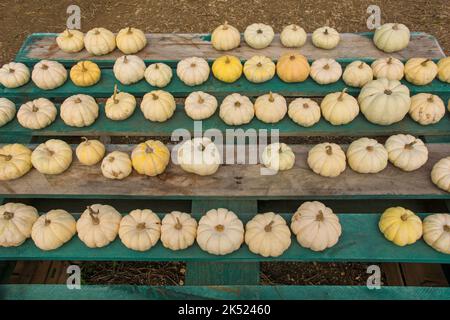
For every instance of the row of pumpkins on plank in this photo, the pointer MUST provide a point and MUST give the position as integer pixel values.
(390, 37)
(290, 67)
(202, 157)
(218, 232)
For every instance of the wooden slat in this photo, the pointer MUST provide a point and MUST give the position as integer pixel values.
(393, 274)
(230, 181)
(172, 47)
(420, 274)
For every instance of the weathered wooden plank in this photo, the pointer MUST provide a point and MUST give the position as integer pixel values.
(132, 292)
(393, 274)
(237, 180)
(421, 274)
(172, 47)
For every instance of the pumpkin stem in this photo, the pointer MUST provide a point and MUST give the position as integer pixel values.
(225, 25)
(329, 150)
(369, 148)
(219, 228)
(326, 31)
(361, 65)
(341, 96)
(193, 65)
(424, 63)
(8, 215)
(319, 216)
(94, 215)
(387, 92)
(404, 217)
(200, 99)
(294, 27)
(201, 147)
(178, 225)
(259, 64)
(389, 60)
(97, 32)
(268, 228)
(271, 98)
(125, 59)
(155, 96)
(11, 70)
(395, 26)
(156, 66)
(305, 105)
(326, 67)
(259, 31)
(47, 221)
(430, 98)
(292, 57)
(85, 140)
(35, 109)
(237, 104)
(69, 34)
(141, 226)
(227, 59)
(6, 157)
(115, 94)
(77, 100)
(111, 159)
(129, 30)
(447, 228)
(149, 149)
(44, 66)
(410, 145)
(83, 67)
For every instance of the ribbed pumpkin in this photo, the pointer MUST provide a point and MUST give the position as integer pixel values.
(85, 73)
(15, 161)
(150, 158)
(293, 67)
(401, 226)
(227, 68)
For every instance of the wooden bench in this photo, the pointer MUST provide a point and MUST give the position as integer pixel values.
(240, 188)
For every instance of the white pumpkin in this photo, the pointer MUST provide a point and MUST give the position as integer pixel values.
(99, 41)
(15, 161)
(236, 110)
(158, 74)
(325, 38)
(339, 108)
(178, 230)
(16, 221)
(267, 234)
(37, 114)
(420, 71)
(14, 75)
(293, 36)
(406, 152)
(278, 157)
(199, 156)
(140, 229)
(325, 71)
(259, 69)
(220, 232)
(116, 165)
(120, 106)
(193, 71)
(304, 111)
(384, 101)
(367, 156)
(316, 226)
(225, 37)
(390, 68)
(79, 110)
(270, 108)
(426, 108)
(48, 75)
(357, 74)
(158, 106)
(200, 105)
(53, 229)
(391, 37)
(129, 69)
(52, 157)
(258, 35)
(440, 174)
(7, 111)
(70, 41)
(327, 159)
(436, 232)
(90, 152)
(131, 40)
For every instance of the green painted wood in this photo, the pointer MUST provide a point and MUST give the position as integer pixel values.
(361, 241)
(132, 292)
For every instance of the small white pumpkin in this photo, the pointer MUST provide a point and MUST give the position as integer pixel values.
(258, 35)
(37, 114)
(293, 36)
(178, 230)
(327, 159)
(420, 71)
(116, 165)
(7, 111)
(278, 157)
(325, 71)
(236, 110)
(15, 161)
(99, 41)
(158, 74)
(390, 68)
(90, 152)
(225, 37)
(267, 234)
(440, 174)
(357, 74)
(16, 221)
(270, 108)
(367, 156)
(199, 156)
(129, 69)
(79, 111)
(70, 41)
(259, 69)
(339, 108)
(14, 75)
(436, 232)
(53, 229)
(98, 225)
(316, 226)
(426, 108)
(120, 106)
(391, 37)
(52, 157)
(200, 105)
(220, 232)
(384, 101)
(140, 229)
(325, 38)
(131, 40)
(304, 111)
(158, 105)
(406, 152)
(193, 71)
(48, 75)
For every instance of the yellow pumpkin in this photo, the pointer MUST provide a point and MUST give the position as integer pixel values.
(401, 226)
(15, 161)
(85, 73)
(420, 71)
(227, 68)
(90, 152)
(293, 67)
(444, 69)
(150, 158)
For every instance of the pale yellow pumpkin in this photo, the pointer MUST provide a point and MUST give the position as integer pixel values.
(193, 71)
(79, 110)
(16, 221)
(436, 232)
(327, 159)
(7, 111)
(426, 108)
(293, 36)
(178, 230)
(227, 68)
(131, 40)
(52, 157)
(120, 106)
(401, 226)
(440, 174)
(325, 71)
(200, 156)
(15, 161)
(70, 41)
(270, 108)
(406, 152)
(37, 114)
(53, 229)
(258, 35)
(14, 75)
(420, 71)
(158, 74)
(140, 229)
(236, 110)
(304, 111)
(158, 106)
(325, 38)
(367, 156)
(116, 165)
(225, 37)
(259, 69)
(99, 41)
(200, 105)
(357, 74)
(278, 157)
(90, 152)
(339, 108)
(444, 69)
(293, 67)
(85, 74)
(391, 37)
(390, 68)
(129, 69)
(48, 75)
(150, 157)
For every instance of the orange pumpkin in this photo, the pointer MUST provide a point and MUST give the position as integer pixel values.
(293, 67)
